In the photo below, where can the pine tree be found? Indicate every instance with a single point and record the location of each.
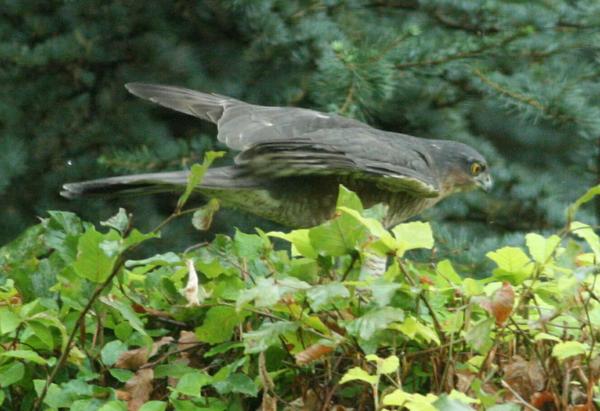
(517, 80)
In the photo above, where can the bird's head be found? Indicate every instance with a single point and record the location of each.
(462, 168)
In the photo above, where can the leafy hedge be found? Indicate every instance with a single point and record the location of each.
(240, 324)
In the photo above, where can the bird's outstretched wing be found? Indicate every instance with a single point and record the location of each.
(242, 125)
(393, 164)
(288, 141)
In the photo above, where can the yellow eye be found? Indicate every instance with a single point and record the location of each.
(476, 169)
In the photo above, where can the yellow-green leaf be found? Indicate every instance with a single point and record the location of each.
(359, 374)
(569, 349)
(541, 248)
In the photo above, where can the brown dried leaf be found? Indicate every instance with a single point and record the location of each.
(544, 400)
(524, 377)
(312, 353)
(500, 304)
(134, 359)
(139, 388)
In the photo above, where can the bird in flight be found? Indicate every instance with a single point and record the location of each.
(292, 160)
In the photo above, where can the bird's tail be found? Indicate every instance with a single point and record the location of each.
(208, 107)
(226, 178)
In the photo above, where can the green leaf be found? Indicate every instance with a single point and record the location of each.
(358, 374)
(197, 174)
(587, 233)
(479, 335)
(219, 324)
(113, 406)
(40, 329)
(448, 403)
(11, 373)
(447, 272)
(127, 313)
(119, 221)
(92, 262)
(169, 258)
(342, 234)
(540, 248)
(120, 374)
(202, 218)
(368, 324)
(269, 291)
(568, 349)
(513, 264)
(174, 369)
(413, 402)
(384, 365)
(236, 383)
(249, 246)
(587, 197)
(154, 406)
(413, 235)
(300, 240)
(26, 355)
(321, 295)
(9, 321)
(111, 351)
(192, 383)
(413, 328)
(266, 336)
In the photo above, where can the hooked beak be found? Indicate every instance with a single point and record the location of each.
(485, 182)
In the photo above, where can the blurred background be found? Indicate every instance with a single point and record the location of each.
(518, 80)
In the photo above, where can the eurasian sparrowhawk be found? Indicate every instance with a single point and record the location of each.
(292, 161)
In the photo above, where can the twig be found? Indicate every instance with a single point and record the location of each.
(518, 397)
(64, 355)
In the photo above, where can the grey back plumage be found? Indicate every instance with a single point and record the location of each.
(287, 141)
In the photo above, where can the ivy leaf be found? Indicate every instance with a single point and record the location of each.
(266, 336)
(358, 374)
(413, 235)
(202, 218)
(587, 197)
(587, 233)
(540, 248)
(119, 221)
(513, 264)
(368, 324)
(236, 383)
(384, 365)
(9, 321)
(450, 403)
(112, 351)
(341, 235)
(569, 349)
(11, 373)
(191, 384)
(128, 314)
(92, 261)
(26, 355)
(411, 401)
(479, 335)
(197, 174)
(249, 246)
(154, 406)
(321, 295)
(219, 324)
(300, 240)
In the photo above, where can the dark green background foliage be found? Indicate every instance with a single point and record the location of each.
(518, 80)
